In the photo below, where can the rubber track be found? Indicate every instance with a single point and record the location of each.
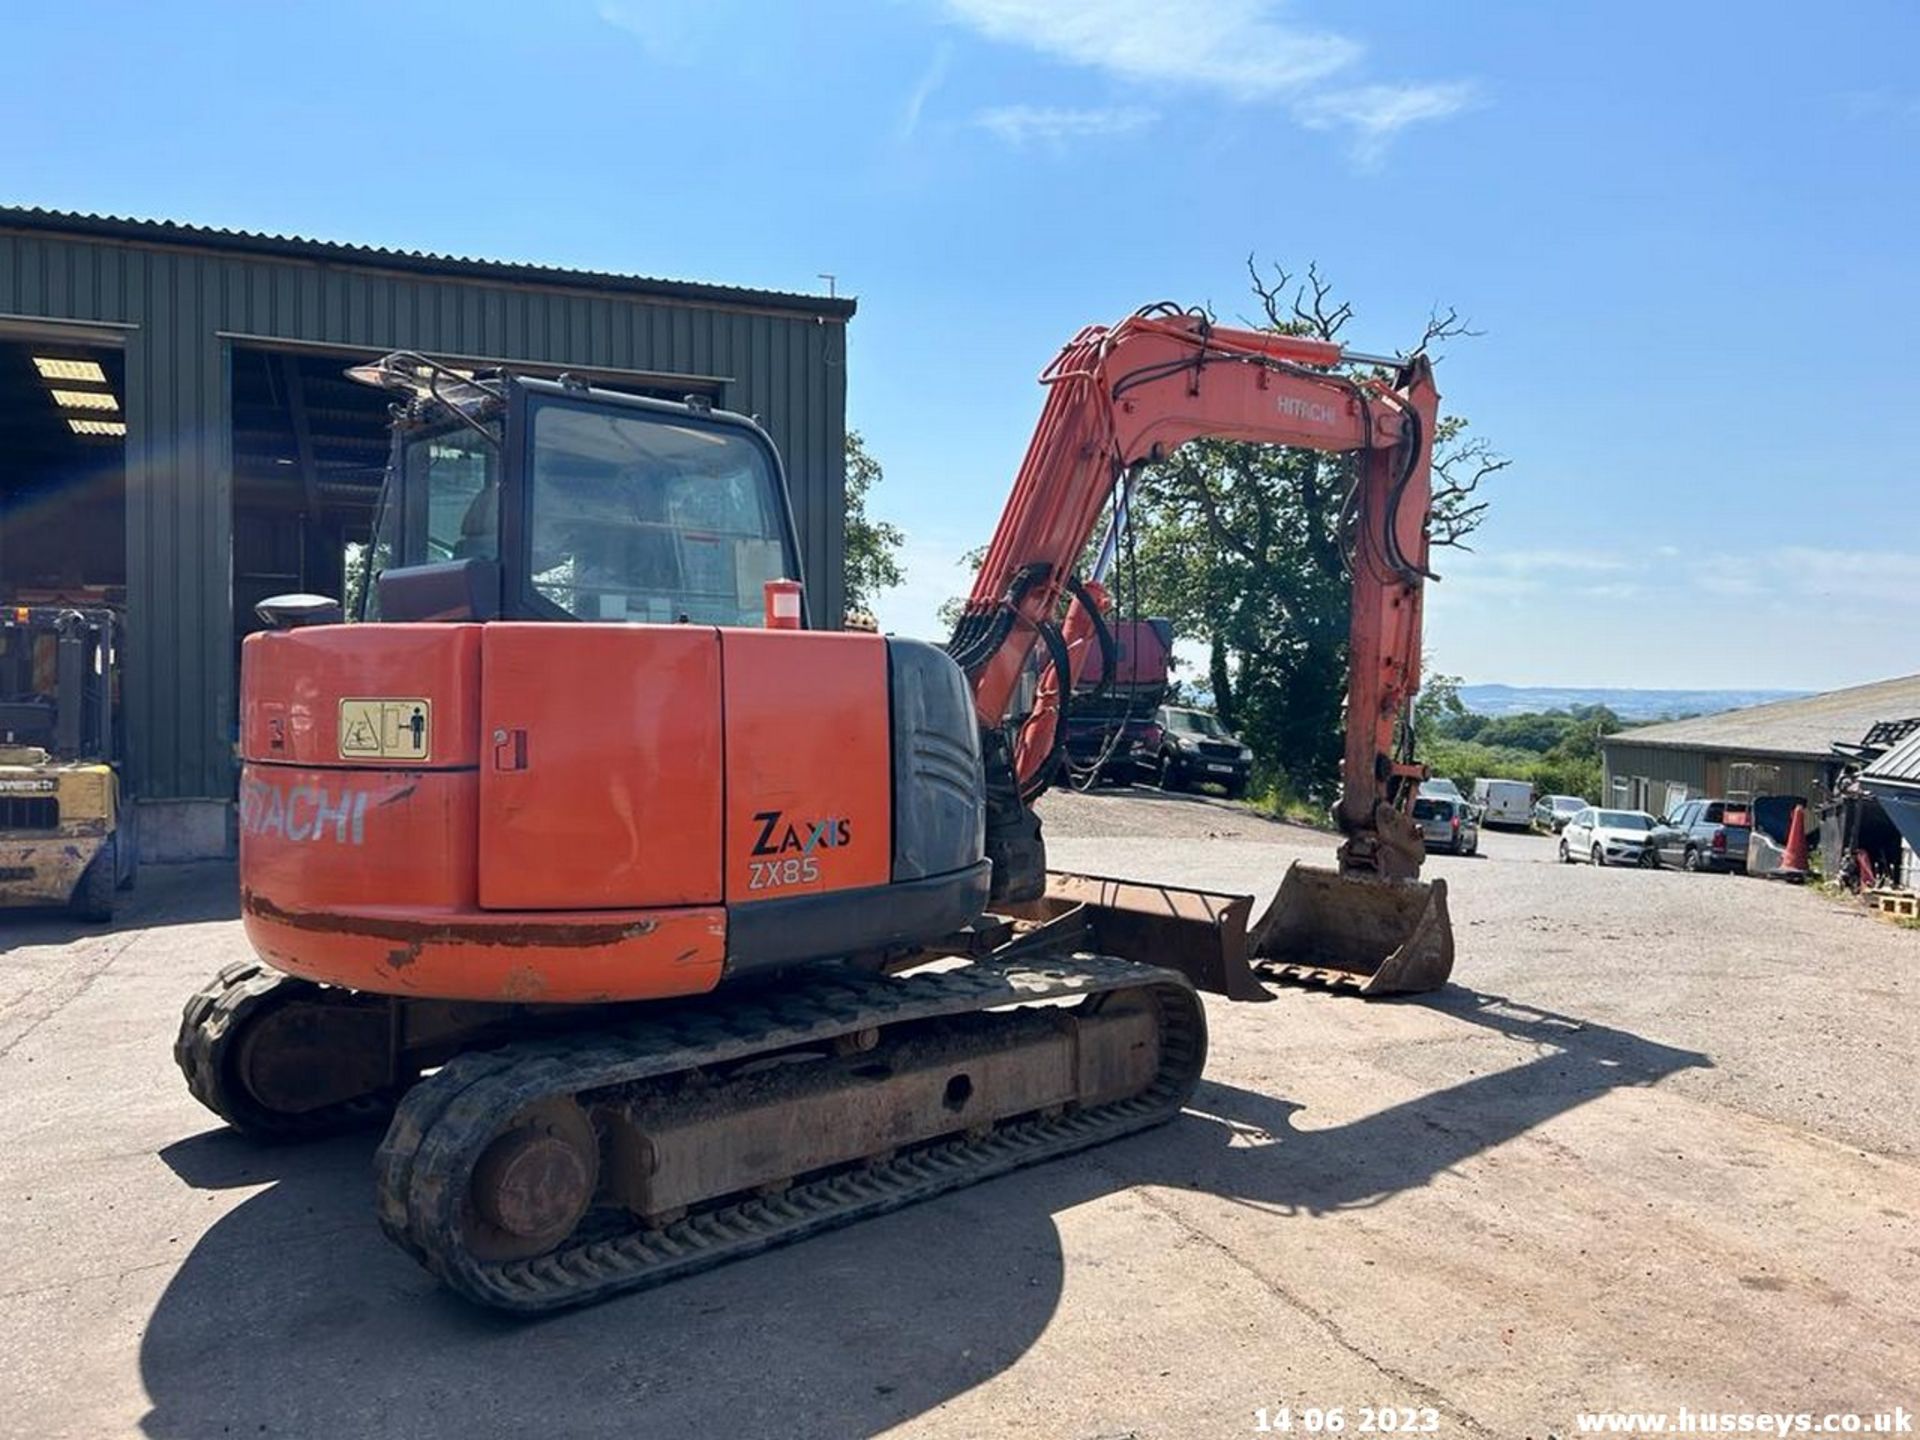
(445, 1123)
(211, 1026)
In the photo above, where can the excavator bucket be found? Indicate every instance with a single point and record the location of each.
(1352, 932)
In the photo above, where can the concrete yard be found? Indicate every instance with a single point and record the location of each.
(1656, 1146)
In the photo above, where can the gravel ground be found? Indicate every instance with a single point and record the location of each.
(1149, 813)
(1655, 1147)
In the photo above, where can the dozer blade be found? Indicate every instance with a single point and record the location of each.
(1201, 935)
(1379, 937)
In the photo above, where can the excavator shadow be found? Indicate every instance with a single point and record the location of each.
(292, 1313)
(1317, 1171)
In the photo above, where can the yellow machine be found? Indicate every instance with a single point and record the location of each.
(65, 832)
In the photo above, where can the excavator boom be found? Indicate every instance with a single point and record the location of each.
(1125, 396)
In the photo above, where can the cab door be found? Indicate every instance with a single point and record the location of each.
(600, 766)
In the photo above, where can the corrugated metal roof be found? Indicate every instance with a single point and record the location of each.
(169, 232)
(1901, 764)
(1804, 727)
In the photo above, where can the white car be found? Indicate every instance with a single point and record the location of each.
(1610, 837)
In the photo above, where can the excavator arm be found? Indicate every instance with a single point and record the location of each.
(1131, 394)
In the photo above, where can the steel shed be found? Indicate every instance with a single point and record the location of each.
(1788, 742)
(177, 303)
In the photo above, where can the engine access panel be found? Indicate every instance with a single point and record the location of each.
(634, 766)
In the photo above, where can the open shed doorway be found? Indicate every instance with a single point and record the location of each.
(309, 450)
(63, 472)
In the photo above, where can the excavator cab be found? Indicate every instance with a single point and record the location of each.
(516, 498)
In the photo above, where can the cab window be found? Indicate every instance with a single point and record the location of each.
(651, 518)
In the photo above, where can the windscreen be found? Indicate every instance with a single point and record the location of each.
(1625, 820)
(650, 518)
(1193, 722)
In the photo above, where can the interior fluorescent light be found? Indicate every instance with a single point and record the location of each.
(52, 369)
(97, 427)
(85, 400)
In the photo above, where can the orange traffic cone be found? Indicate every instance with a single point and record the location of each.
(1793, 865)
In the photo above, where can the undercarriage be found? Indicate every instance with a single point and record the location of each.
(619, 1152)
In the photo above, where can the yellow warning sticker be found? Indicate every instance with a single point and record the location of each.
(386, 729)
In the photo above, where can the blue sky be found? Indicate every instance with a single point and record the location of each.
(1688, 232)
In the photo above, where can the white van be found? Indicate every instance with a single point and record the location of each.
(1504, 802)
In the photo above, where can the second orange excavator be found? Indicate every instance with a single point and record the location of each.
(665, 928)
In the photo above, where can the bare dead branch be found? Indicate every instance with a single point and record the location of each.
(1462, 469)
(1271, 295)
(1451, 528)
(1319, 321)
(1459, 472)
(1442, 326)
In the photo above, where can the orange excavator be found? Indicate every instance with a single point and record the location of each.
(665, 928)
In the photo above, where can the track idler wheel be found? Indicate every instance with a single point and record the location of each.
(534, 1182)
(280, 1058)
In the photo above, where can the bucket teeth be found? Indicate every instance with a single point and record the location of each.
(1377, 937)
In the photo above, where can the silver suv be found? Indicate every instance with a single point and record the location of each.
(1449, 825)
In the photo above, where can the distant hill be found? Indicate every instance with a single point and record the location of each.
(1627, 704)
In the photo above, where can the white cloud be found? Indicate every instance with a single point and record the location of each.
(1556, 562)
(661, 31)
(1787, 575)
(1242, 48)
(1882, 576)
(1047, 125)
(1243, 51)
(931, 79)
(1883, 106)
(1374, 114)
(682, 33)
(1610, 590)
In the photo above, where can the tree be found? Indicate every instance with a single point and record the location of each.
(873, 546)
(949, 612)
(1538, 730)
(1437, 710)
(1243, 547)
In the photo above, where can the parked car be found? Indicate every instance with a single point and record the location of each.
(1705, 835)
(1441, 789)
(1504, 802)
(1448, 825)
(1609, 837)
(1195, 747)
(1551, 812)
